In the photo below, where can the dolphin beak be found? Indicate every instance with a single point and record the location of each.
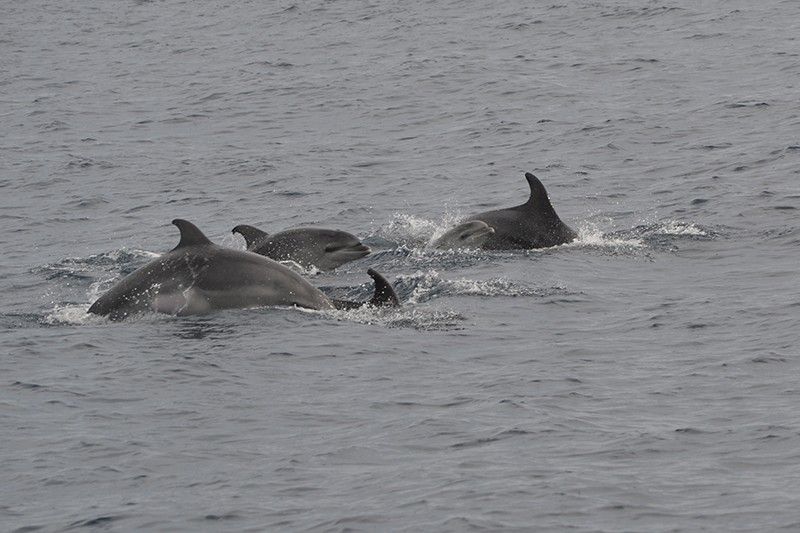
(358, 250)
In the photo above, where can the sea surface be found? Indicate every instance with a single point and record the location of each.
(642, 378)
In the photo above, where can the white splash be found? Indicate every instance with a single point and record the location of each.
(442, 226)
(75, 314)
(310, 271)
(590, 235)
(417, 232)
(401, 317)
(430, 284)
(676, 227)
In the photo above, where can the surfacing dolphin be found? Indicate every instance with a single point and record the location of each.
(533, 224)
(198, 276)
(471, 234)
(325, 249)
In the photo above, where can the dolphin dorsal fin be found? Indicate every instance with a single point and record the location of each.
(384, 292)
(251, 234)
(539, 198)
(384, 295)
(190, 234)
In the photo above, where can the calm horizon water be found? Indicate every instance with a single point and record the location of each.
(641, 378)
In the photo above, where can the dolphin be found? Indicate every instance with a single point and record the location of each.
(471, 234)
(198, 276)
(533, 224)
(325, 249)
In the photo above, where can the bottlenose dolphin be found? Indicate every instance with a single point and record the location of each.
(325, 249)
(470, 234)
(198, 276)
(533, 224)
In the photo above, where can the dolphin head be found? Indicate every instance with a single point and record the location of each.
(323, 248)
(469, 234)
(342, 247)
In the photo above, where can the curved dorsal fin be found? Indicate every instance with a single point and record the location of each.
(539, 198)
(384, 292)
(251, 234)
(384, 295)
(190, 234)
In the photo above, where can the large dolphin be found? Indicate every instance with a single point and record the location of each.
(470, 234)
(533, 224)
(325, 249)
(198, 276)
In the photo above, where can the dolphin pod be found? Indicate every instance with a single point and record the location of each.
(198, 276)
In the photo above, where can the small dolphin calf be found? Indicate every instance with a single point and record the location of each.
(471, 234)
(198, 276)
(325, 249)
(533, 224)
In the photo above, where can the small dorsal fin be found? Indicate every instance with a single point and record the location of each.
(539, 198)
(190, 234)
(251, 234)
(384, 295)
(384, 292)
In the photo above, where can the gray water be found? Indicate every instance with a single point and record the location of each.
(643, 378)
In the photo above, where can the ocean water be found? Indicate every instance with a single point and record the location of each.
(642, 378)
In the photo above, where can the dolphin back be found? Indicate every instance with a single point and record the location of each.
(137, 292)
(534, 224)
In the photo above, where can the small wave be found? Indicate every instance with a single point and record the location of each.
(123, 256)
(590, 235)
(96, 522)
(402, 317)
(422, 286)
(747, 103)
(404, 258)
(84, 269)
(481, 441)
(674, 227)
(19, 320)
(405, 316)
(81, 162)
(662, 235)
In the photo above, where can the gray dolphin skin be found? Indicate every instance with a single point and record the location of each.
(325, 249)
(470, 235)
(198, 276)
(533, 224)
